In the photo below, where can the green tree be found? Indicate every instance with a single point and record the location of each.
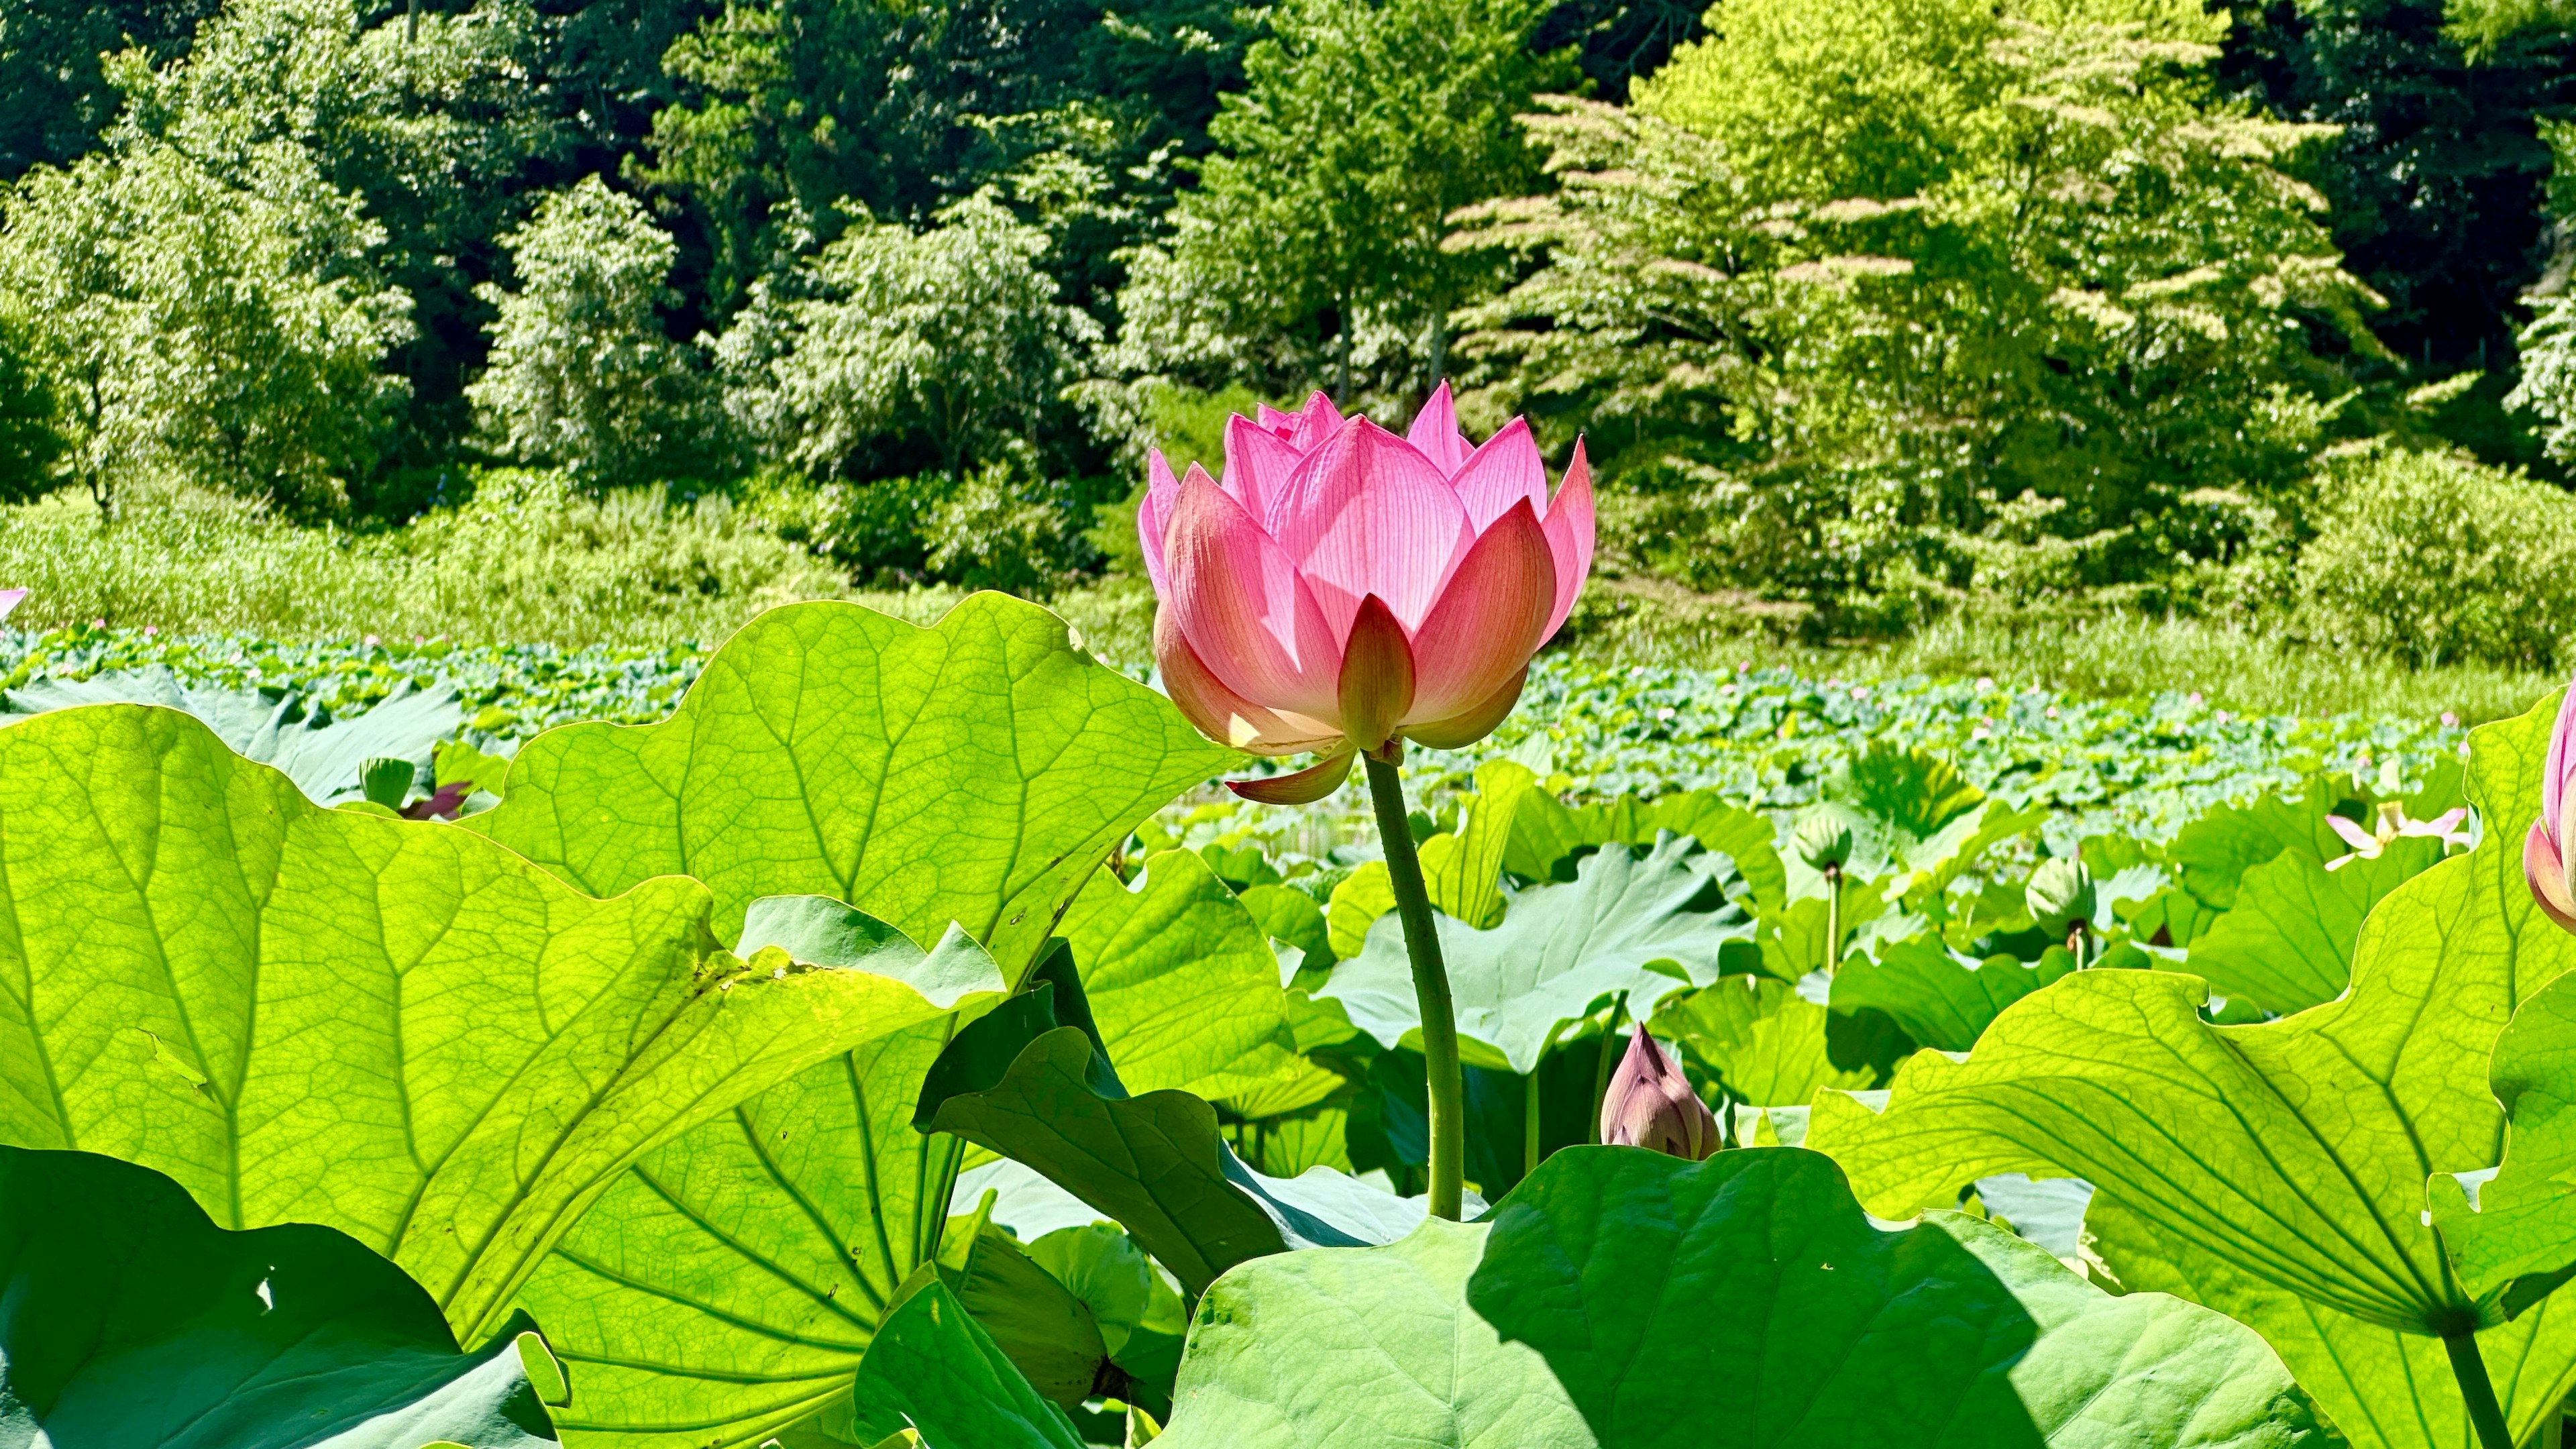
(1312, 245)
(430, 118)
(55, 96)
(1887, 293)
(951, 336)
(584, 375)
(29, 446)
(220, 317)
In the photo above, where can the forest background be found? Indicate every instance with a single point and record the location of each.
(2155, 344)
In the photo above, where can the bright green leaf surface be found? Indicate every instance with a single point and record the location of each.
(2216, 850)
(727, 1286)
(2522, 1240)
(1644, 923)
(1761, 1038)
(1181, 980)
(2288, 943)
(134, 1320)
(973, 772)
(2294, 1153)
(1940, 1001)
(1464, 871)
(398, 1030)
(1626, 1298)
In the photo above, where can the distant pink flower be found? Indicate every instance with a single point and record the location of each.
(2393, 825)
(2545, 858)
(1342, 589)
(10, 599)
(1650, 1104)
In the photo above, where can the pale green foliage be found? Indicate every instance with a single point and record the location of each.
(953, 335)
(207, 307)
(1312, 245)
(1880, 289)
(583, 374)
(2435, 558)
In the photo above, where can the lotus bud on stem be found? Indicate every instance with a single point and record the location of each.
(1825, 844)
(1650, 1104)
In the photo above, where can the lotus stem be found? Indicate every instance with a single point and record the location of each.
(1446, 1082)
(2485, 1414)
(1529, 1103)
(1833, 919)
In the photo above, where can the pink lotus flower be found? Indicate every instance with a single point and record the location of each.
(1650, 1104)
(1343, 589)
(2544, 851)
(10, 599)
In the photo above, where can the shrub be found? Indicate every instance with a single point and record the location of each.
(2437, 559)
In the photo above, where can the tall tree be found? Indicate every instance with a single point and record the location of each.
(1312, 245)
(584, 373)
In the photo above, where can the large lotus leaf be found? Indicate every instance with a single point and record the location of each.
(1627, 1298)
(2215, 850)
(1911, 791)
(396, 1029)
(1940, 1000)
(1644, 924)
(1770, 1046)
(2288, 943)
(727, 1286)
(1045, 1095)
(2294, 1152)
(322, 757)
(1181, 980)
(2348, 1366)
(132, 1319)
(2520, 1241)
(975, 772)
(935, 1371)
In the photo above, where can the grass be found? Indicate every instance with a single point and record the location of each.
(527, 563)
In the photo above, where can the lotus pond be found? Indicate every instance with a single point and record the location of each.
(871, 1034)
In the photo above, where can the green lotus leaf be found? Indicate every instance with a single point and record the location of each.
(1464, 871)
(1044, 1094)
(1142, 1321)
(1547, 836)
(934, 1370)
(1641, 923)
(1769, 1045)
(1590, 1308)
(2287, 945)
(133, 1319)
(1039, 1324)
(2519, 1241)
(1288, 914)
(2351, 1368)
(1181, 980)
(2295, 1152)
(1939, 1000)
(974, 772)
(326, 758)
(726, 1287)
(395, 1029)
(2216, 850)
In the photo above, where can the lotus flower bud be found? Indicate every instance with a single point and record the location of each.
(2060, 893)
(1823, 842)
(2546, 862)
(1343, 589)
(1650, 1104)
